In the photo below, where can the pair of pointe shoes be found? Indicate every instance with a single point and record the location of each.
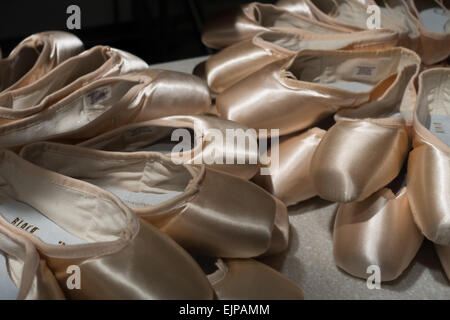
(250, 19)
(383, 221)
(356, 158)
(90, 93)
(296, 94)
(420, 25)
(238, 61)
(329, 163)
(90, 228)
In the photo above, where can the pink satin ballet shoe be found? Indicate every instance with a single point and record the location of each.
(163, 135)
(109, 103)
(85, 233)
(204, 210)
(433, 20)
(250, 19)
(35, 56)
(376, 232)
(367, 146)
(66, 78)
(238, 61)
(429, 161)
(290, 181)
(314, 85)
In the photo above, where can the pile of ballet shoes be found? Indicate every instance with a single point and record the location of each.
(363, 115)
(92, 205)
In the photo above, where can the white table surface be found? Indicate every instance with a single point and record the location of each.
(309, 259)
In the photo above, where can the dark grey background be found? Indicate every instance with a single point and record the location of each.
(155, 30)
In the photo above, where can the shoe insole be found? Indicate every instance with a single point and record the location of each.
(352, 86)
(164, 148)
(29, 219)
(436, 20)
(8, 290)
(138, 199)
(440, 127)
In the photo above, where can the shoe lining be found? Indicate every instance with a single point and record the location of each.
(140, 185)
(149, 138)
(436, 19)
(354, 74)
(435, 103)
(22, 62)
(29, 219)
(396, 10)
(139, 182)
(433, 17)
(62, 210)
(66, 74)
(438, 100)
(138, 199)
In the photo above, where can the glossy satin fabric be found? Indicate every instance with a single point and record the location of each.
(378, 231)
(231, 218)
(52, 48)
(247, 20)
(433, 46)
(239, 279)
(149, 94)
(357, 158)
(443, 253)
(150, 266)
(76, 72)
(428, 182)
(135, 137)
(123, 258)
(35, 281)
(353, 14)
(296, 6)
(366, 149)
(216, 214)
(238, 61)
(271, 99)
(290, 181)
(429, 161)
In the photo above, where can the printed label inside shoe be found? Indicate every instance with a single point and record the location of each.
(29, 219)
(365, 71)
(8, 290)
(98, 96)
(440, 127)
